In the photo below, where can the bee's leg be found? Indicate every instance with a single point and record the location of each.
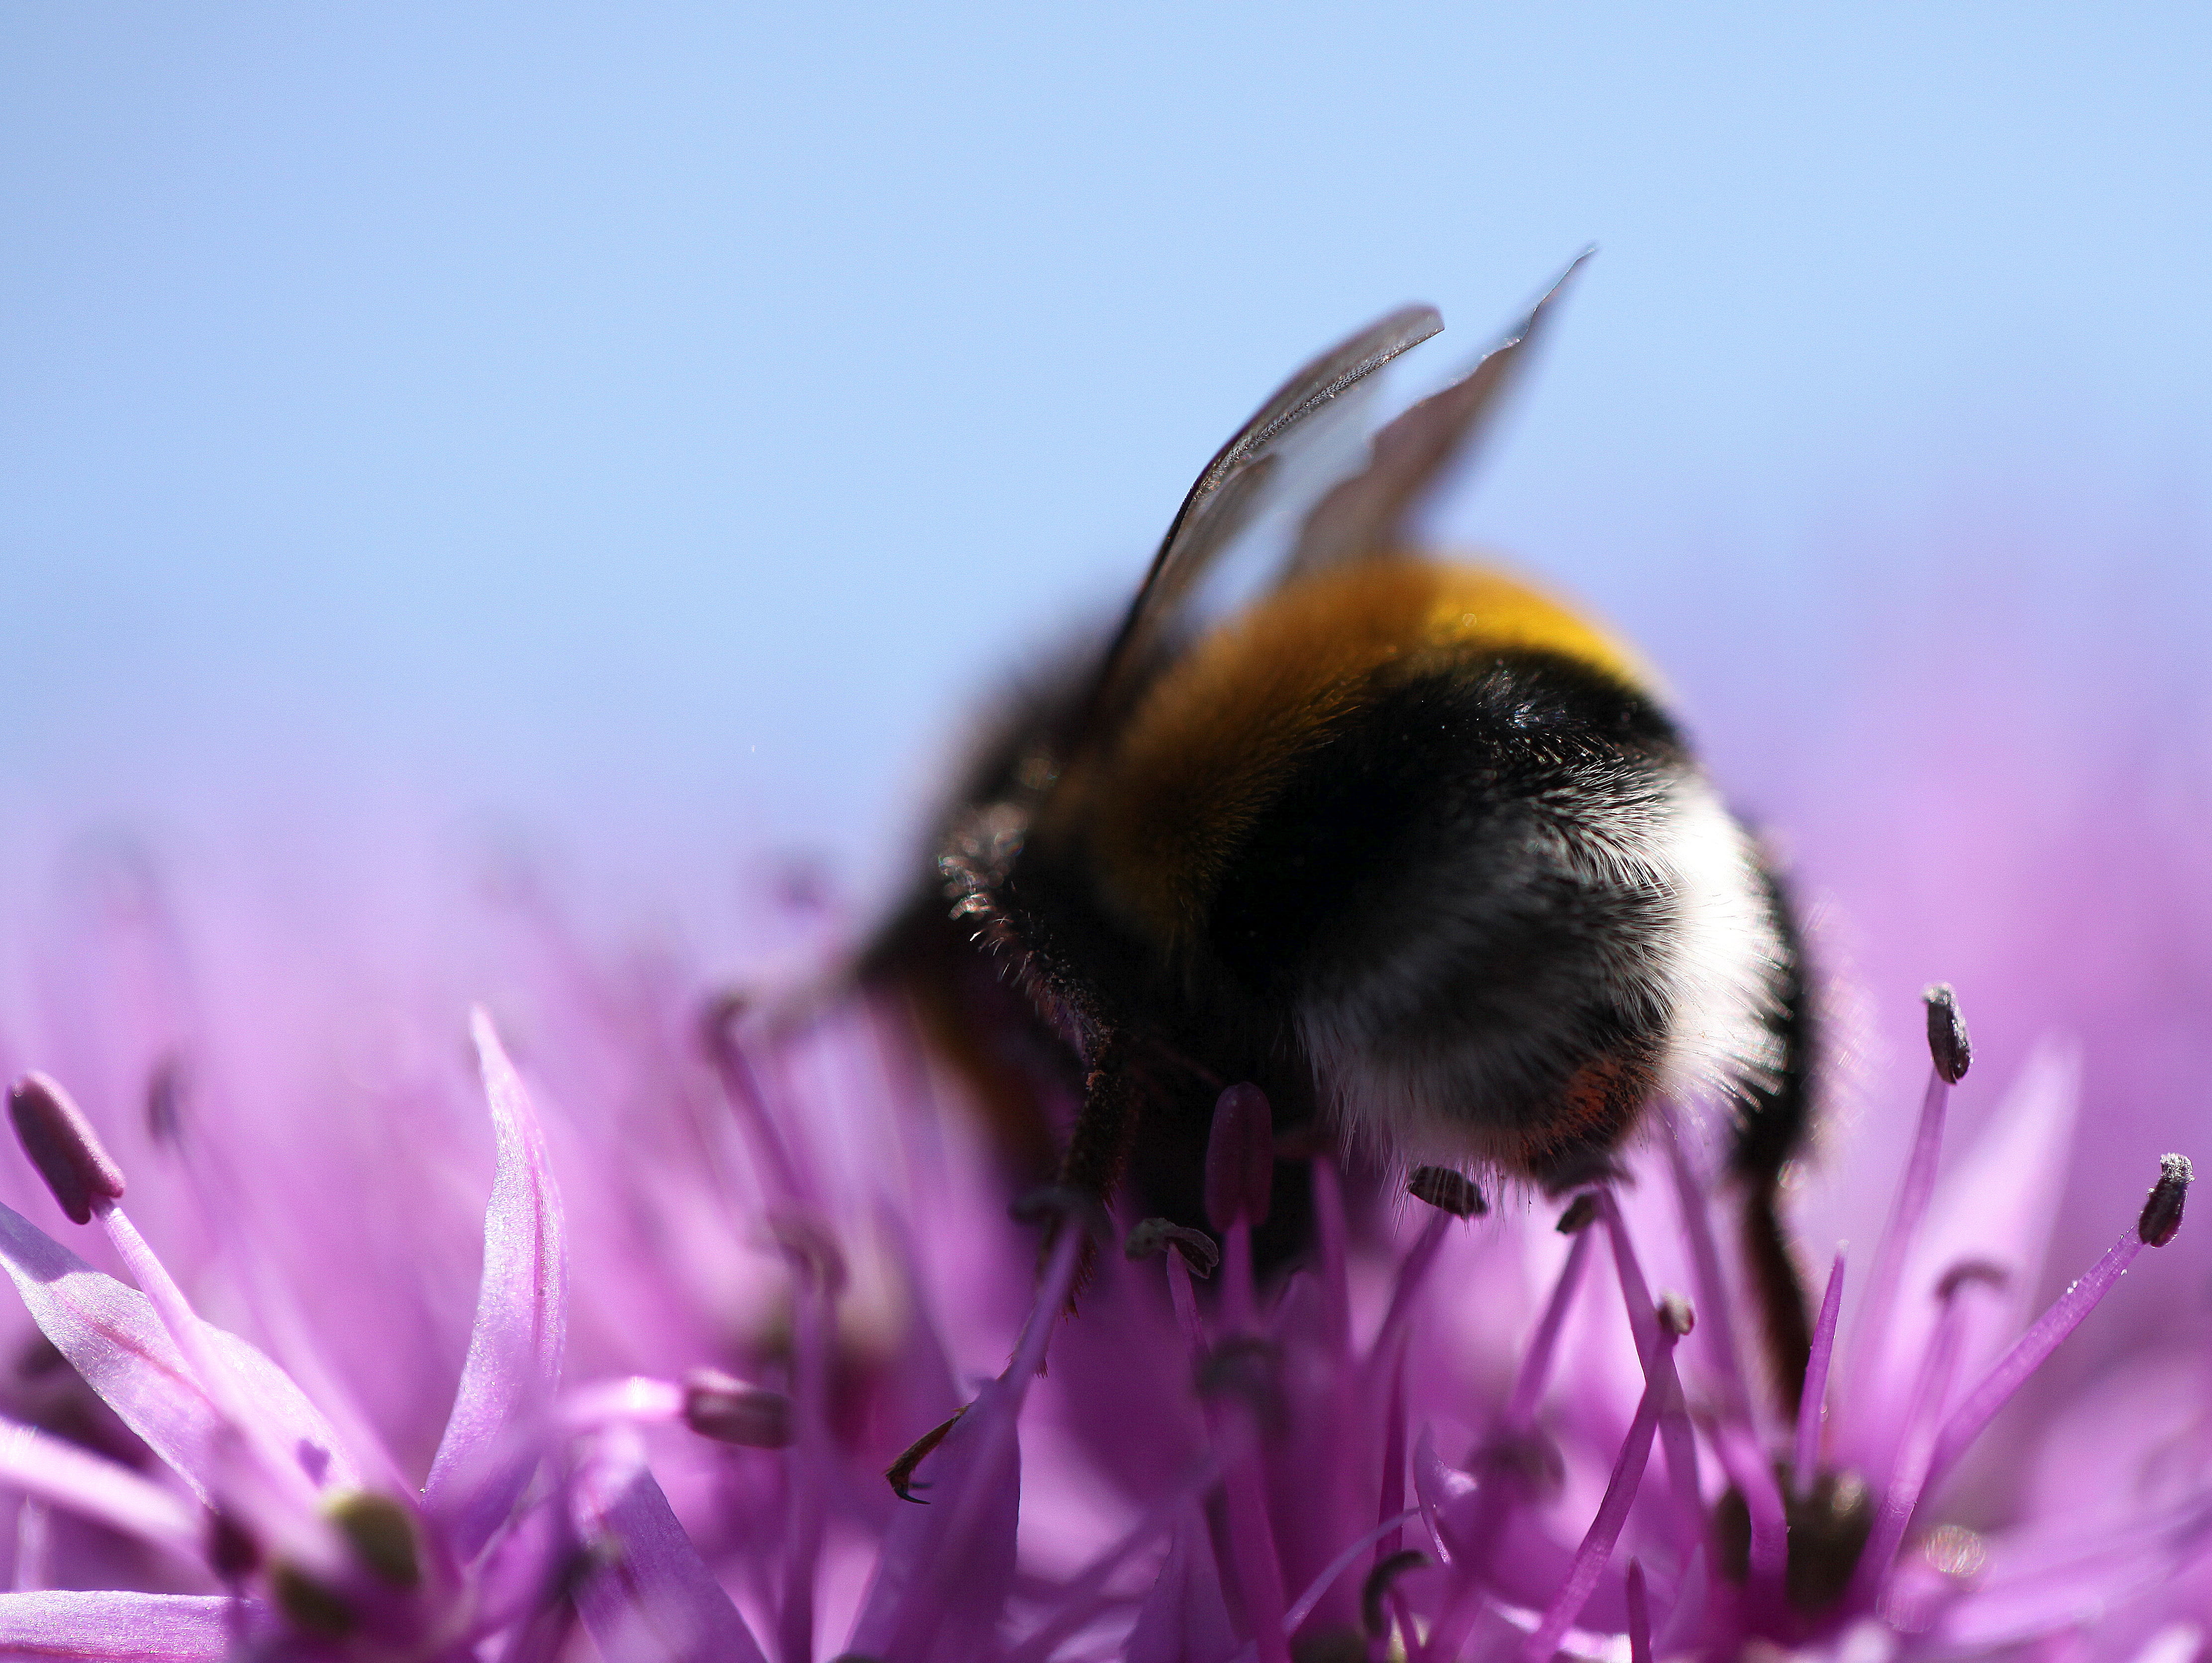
(1105, 1127)
(1777, 1116)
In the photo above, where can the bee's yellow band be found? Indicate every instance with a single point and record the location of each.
(1165, 806)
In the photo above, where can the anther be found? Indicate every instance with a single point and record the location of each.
(1156, 1235)
(1240, 1158)
(730, 1410)
(1447, 1191)
(1579, 1214)
(1951, 1051)
(309, 1606)
(1372, 1617)
(63, 1146)
(381, 1533)
(2161, 1213)
(1677, 1315)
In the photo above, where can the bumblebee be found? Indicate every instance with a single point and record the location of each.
(1410, 844)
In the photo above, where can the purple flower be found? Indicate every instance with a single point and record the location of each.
(1284, 1464)
(312, 1543)
(1446, 1448)
(1470, 1427)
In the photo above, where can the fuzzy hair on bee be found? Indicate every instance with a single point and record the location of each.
(1409, 843)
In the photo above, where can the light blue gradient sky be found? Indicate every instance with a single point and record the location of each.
(621, 416)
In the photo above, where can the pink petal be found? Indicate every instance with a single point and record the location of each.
(97, 1488)
(2040, 1581)
(1083, 1597)
(1184, 1618)
(521, 1569)
(117, 1627)
(110, 1335)
(655, 1599)
(514, 1364)
(955, 1606)
(941, 1584)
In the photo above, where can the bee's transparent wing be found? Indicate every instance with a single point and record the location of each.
(1363, 516)
(1229, 492)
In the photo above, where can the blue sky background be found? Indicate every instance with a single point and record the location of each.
(585, 414)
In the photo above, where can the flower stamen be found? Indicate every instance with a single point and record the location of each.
(1689, 1197)
(1813, 1402)
(1655, 1345)
(730, 1411)
(88, 1185)
(1910, 1470)
(1536, 1360)
(2159, 1221)
(1950, 1051)
(1447, 1191)
(61, 1145)
(1154, 1236)
(1639, 1616)
(1597, 1543)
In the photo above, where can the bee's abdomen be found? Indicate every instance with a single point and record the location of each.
(1463, 895)
(1491, 784)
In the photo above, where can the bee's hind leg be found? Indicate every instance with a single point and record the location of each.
(1098, 1148)
(1777, 1117)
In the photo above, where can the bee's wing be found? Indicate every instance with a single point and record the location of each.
(1223, 500)
(1361, 516)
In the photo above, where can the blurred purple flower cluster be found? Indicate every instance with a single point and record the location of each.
(726, 1282)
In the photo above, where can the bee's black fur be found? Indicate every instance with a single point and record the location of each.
(1454, 809)
(1775, 1119)
(1455, 792)
(1456, 765)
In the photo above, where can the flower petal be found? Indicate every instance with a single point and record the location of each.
(1184, 1618)
(941, 1584)
(2041, 1580)
(117, 1628)
(955, 1603)
(654, 1598)
(96, 1487)
(522, 1572)
(110, 1335)
(514, 1364)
